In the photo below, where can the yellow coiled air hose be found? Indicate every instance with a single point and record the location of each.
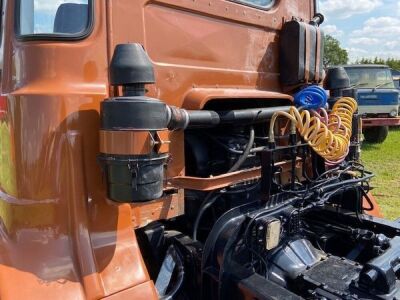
(329, 136)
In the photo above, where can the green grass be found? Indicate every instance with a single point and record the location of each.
(384, 160)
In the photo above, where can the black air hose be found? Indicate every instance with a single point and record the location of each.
(180, 275)
(181, 119)
(208, 201)
(211, 198)
(371, 204)
(246, 152)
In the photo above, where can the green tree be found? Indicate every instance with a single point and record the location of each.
(379, 61)
(393, 63)
(334, 54)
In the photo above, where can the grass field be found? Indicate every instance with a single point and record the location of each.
(384, 160)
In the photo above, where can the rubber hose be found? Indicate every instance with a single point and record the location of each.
(209, 201)
(179, 277)
(246, 152)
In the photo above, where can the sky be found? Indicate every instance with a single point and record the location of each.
(365, 28)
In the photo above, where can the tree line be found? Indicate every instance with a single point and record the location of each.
(391, 62)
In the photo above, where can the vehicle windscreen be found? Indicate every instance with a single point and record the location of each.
(380, 78)
(41, 18)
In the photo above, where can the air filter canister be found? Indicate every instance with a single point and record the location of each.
(134, 147)
(134, 142)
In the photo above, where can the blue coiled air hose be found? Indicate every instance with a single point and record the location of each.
(311, 97)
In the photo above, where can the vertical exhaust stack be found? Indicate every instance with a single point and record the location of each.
(133, 134)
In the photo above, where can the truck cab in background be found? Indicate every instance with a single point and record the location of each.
(377, 97)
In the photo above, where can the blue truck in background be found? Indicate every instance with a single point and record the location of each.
(377, 97)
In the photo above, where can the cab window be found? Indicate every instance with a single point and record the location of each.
(63, 18)
(264, 4)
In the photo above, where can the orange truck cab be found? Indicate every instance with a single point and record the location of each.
(152, 149)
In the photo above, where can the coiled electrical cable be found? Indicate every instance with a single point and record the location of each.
(329, 138)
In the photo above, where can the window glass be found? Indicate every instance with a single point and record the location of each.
(397, 83)
(370, 77)
(257, 3)
(53, 17)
